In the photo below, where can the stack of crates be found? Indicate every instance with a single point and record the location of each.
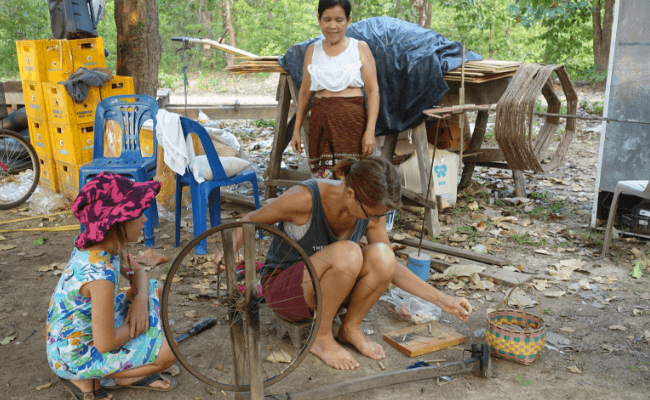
(60, 129)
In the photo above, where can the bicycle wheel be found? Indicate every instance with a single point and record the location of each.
(237, 352)
(19, 169)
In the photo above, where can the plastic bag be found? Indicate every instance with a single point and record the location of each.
(411, 308)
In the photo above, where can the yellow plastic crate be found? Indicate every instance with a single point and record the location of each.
(30, 59)
(39, 136)
(68, 179)
(34, 101)
(49, 177)
(57, 58)
(116, 86)
(146, 142)
(88, 53)
(62, 109)
(73, 144)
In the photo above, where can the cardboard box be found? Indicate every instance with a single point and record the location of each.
(445, 176)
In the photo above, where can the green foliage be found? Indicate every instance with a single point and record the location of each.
(519, 30)
(270, 27)
(264, 123)
(20, 20)
(566, 34)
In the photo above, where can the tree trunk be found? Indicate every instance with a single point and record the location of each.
(227, 24)
(427, 16)
(400, 11)
(138, 43)
(602, 33)
(420, 6)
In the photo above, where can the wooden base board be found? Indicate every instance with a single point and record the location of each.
(416, 340)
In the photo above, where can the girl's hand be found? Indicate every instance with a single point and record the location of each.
(296, 143)
(138, 316)
(219, 264)
(458, 307)
(368, 143)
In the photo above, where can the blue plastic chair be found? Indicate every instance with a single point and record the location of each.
(208, 193)
(130, 112)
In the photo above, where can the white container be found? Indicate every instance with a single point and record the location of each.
(390, 219)
(445, 176)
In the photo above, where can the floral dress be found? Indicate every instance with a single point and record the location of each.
(70, 349)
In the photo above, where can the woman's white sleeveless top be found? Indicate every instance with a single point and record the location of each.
(335, 73)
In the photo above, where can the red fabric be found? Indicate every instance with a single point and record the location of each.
(284, 294)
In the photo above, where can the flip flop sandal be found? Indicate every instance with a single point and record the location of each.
(239, 269)
(148, 380)
(79, 395)
(242, 290)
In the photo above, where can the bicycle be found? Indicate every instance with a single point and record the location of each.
(19, 169)
(19, 164)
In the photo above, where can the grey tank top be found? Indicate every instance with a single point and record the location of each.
(318, 236)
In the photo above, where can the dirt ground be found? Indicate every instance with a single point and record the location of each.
(599, 350)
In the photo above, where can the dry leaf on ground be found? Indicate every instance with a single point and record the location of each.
(522, 298)
(151, 258)
(567, 329)
(457, 238)
(279, 357)
(564, 269)
(574, 369)
(542, 251)
(190, 314)
(456, 285)
(7, 246)
(45, 386)
(540, 285)
(557, 293)
(457, 271)
(617, 327)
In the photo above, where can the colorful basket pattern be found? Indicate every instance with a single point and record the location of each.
(520, 346)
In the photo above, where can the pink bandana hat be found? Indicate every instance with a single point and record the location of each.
(107, 199)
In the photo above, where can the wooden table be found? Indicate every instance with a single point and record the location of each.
(475, 93)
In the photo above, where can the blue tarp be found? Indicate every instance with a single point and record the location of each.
(411, 62)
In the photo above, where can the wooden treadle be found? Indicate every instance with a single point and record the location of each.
(416, 340)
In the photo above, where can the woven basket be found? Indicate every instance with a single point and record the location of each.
(520, 346)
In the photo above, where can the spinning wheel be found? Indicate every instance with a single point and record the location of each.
(241, 351)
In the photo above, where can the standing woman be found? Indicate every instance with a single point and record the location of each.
(336, 69)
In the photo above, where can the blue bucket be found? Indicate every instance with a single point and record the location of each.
(419, 265)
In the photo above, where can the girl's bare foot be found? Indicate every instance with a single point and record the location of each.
(332, 354)
(355, 337)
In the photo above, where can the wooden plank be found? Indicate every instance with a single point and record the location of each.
(424, 164)
(520, 183)
(279, 135)
(475, 143)
(419, 339)
(225, 112)
(418, 198)
(480, 155)
(241, 199)
(454, 251)
(237, 338)
(252, 326)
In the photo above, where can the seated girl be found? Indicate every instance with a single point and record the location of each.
(327, 218)
(93, 330)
